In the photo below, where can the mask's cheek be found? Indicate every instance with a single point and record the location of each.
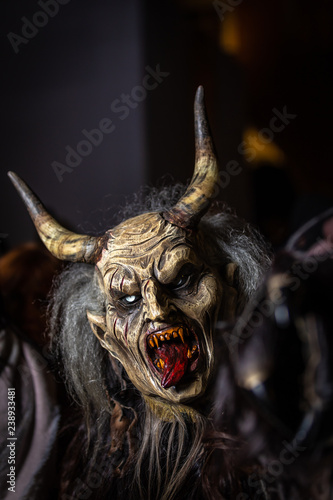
(203, 305)
(130, 354)
(201, 308)
(122, 339)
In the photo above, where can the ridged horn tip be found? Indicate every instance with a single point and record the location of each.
(198, 196)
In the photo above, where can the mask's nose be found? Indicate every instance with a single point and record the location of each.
(156, 303)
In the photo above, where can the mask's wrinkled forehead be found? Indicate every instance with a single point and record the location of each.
(144, 238)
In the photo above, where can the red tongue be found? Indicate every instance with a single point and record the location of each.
(175, 363)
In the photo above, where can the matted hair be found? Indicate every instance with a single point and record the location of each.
(157, 459)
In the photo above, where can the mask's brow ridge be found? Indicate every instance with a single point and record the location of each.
(147, 245)
(161, 260)
(111, 276)
(176, 244)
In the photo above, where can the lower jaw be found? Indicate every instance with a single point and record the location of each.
(168, 411)
(184, 393)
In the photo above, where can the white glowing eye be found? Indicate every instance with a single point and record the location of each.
(130, 299)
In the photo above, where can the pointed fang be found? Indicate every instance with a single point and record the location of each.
(155, 340)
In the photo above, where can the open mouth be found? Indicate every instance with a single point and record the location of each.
(173, 353)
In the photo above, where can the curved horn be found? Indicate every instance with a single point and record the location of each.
(62, 243)
(196, 200)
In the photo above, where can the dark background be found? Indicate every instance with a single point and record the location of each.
(252, 57)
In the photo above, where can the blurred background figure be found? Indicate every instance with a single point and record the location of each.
(26, 274)
(278, 390)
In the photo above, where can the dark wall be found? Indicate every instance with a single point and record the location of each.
(91, 54)
(184, 37)
(281, 64)
(59, 83)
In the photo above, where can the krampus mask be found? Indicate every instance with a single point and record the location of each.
(161, 298)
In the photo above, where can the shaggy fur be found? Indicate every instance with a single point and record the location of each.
(120, 449)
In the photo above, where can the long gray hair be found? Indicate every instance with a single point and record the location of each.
(96, 381)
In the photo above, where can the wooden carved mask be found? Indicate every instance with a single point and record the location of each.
(162, 302)
(161, 298)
